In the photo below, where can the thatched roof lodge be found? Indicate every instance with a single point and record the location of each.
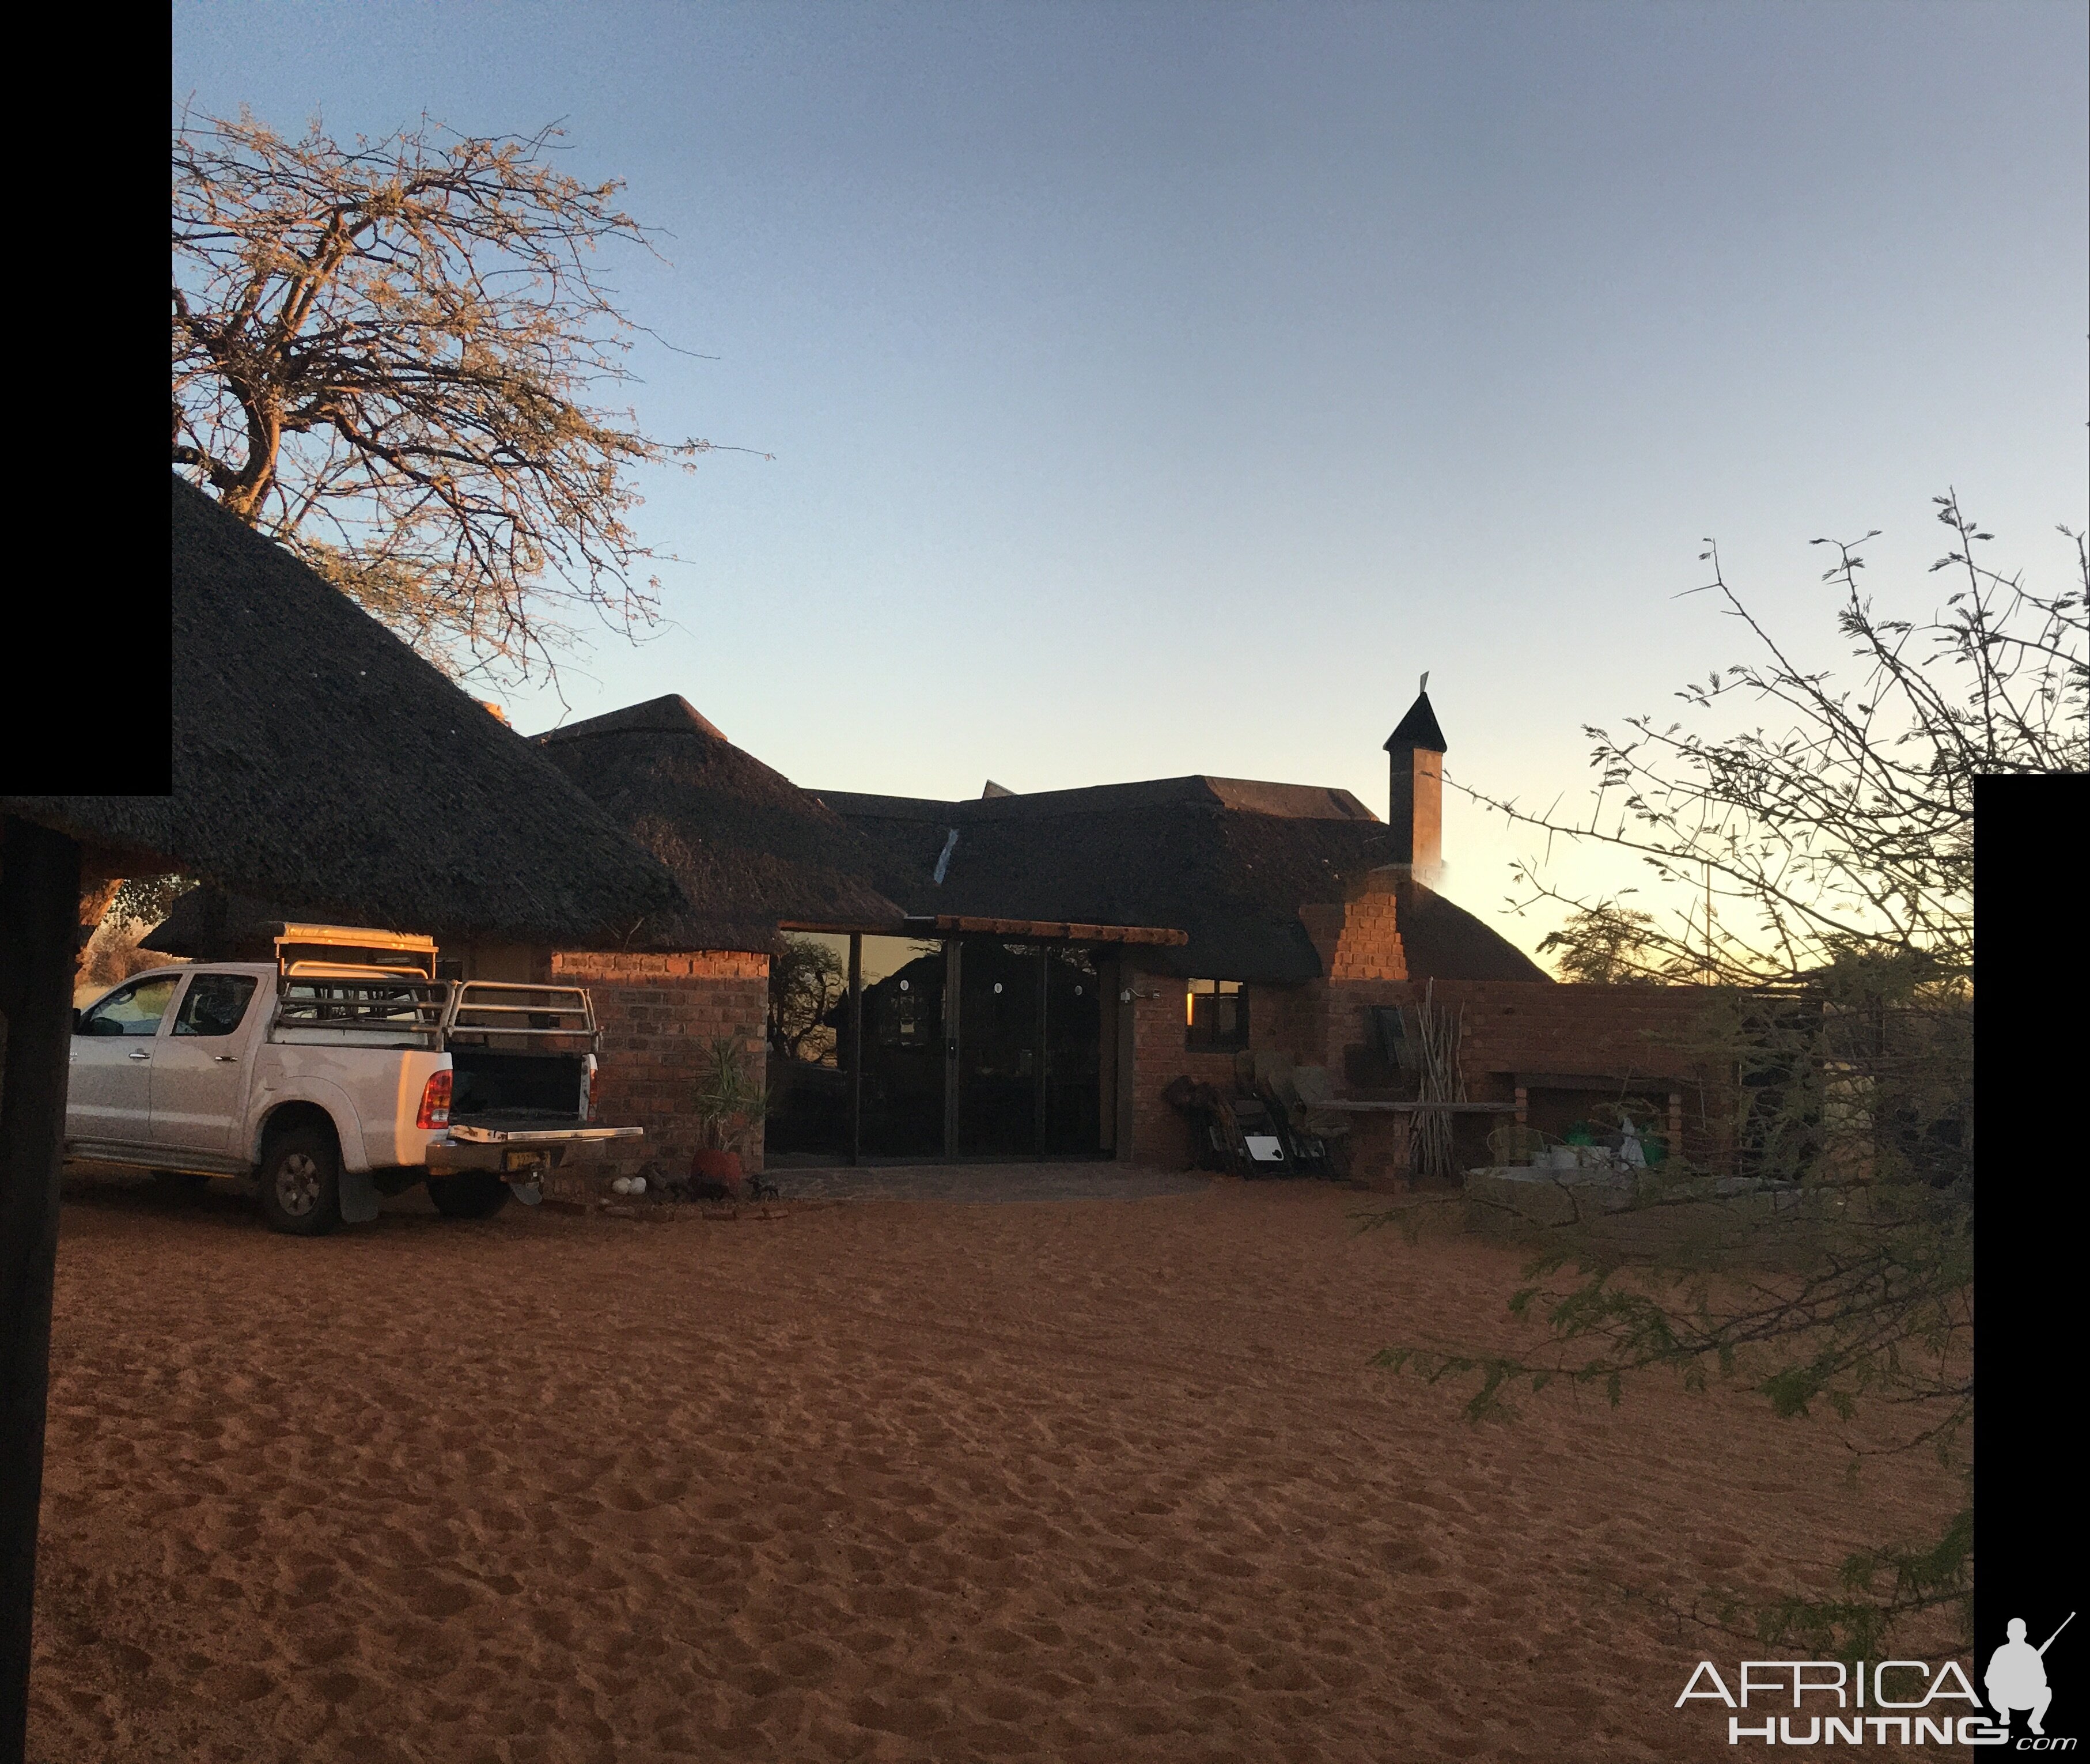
(949, 964)
(1008, 975)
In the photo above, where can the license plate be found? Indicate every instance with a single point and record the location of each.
(522, 1160)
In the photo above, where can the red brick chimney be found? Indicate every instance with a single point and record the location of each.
(1415, 802)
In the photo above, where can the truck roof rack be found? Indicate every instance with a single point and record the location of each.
(342, 970)
(356, 945)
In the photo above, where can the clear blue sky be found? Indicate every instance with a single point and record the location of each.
(1160, 389)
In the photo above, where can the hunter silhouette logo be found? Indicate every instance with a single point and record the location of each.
(2016, 1678)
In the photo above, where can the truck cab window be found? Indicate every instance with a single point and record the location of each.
(135, 1010)
(215, 1005)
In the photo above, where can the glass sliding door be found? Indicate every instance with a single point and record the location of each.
(1029, 1031)
(809, 1055)
(901, 1047)
(1000, 1049)
(1073, 1055)
(905, 1033)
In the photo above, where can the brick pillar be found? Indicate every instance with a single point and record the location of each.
(658, 1014)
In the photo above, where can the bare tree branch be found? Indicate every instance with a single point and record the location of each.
(389, 356)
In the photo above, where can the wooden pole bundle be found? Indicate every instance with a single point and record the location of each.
(1442, 1079)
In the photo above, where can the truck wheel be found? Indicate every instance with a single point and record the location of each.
(476, 1194)
(301, 1182)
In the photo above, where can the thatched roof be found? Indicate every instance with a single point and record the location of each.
(754, 848)
(1228, 861)
(320, 763)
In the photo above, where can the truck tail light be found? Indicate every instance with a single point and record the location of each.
(595, 1087)
(435, 1101)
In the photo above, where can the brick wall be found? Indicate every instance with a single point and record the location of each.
(1630, 1032)
(1650, 1035)
(1160, 1136)
(1509, 1026)
(1288, 1018)
(658, 1014)
(1526, 1026)
(1358, 940)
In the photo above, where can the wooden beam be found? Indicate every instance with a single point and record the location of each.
(1366, 1106)
(1043, 930)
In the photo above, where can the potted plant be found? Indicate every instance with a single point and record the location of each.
(730, 1106)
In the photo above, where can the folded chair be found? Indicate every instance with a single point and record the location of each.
(1311, 1085)
(1256, 1137)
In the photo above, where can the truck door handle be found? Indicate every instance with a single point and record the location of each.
(140, 1054)
(225, 1058)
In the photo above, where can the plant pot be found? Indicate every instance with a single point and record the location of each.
(721, 1167)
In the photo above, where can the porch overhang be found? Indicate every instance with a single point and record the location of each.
(1040, 930)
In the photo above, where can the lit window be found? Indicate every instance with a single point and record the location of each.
(1216, 1014)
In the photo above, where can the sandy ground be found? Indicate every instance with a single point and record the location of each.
(1080, 1480)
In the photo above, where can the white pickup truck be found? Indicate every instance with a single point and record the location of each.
(343, 1071)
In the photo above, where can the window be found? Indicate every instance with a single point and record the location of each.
(215, 1004)
(809, 999)
(135, 1010)
(1217, 1013)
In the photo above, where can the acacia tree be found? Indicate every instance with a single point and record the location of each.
(1603, 944)
(1819, 872)
(390, 357)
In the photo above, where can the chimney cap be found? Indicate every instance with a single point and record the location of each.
(1419, 728)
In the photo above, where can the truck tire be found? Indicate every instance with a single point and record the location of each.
(476, 1194)
(301, 1182)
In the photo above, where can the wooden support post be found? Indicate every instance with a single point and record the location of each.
(856, 1047)
(1125, 1003)
(953, 1029)
(1108, 986)
(1676, 1124)
(1043, 1028)
(39, 917)
(1523, 1107)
